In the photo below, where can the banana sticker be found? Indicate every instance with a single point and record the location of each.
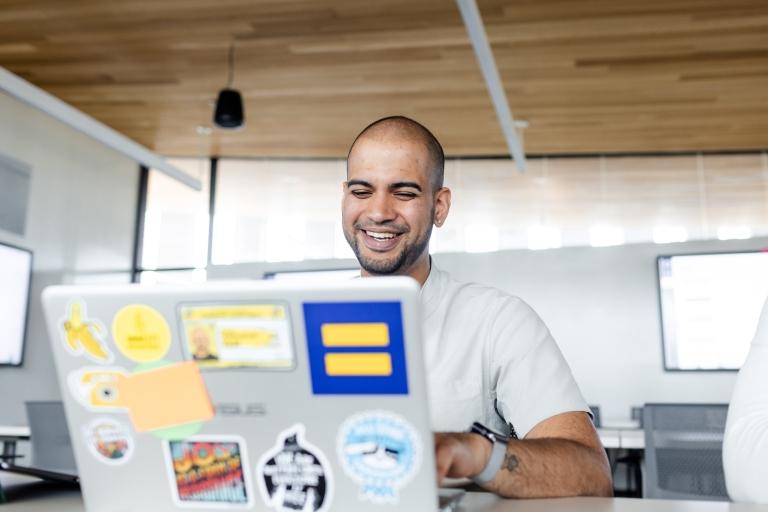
(85, 336)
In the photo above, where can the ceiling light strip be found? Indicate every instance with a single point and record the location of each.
(38, 98)
(476, 30)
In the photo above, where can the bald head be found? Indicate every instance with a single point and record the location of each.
(401, 128)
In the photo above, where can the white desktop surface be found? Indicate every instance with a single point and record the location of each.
(39, 496)
(625, 438)
(14, 432)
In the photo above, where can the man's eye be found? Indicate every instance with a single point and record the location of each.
(360, 193)
(405, 195)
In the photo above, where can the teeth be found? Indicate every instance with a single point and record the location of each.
(380, 236)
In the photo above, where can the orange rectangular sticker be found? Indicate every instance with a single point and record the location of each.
(165, 397)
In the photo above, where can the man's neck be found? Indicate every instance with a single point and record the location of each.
(419, 270)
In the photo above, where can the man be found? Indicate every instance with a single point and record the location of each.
(487, 353)
(745, 446)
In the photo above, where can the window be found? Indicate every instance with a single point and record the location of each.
(175, 235)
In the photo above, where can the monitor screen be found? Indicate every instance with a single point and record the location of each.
(710, 306)
(15, 277)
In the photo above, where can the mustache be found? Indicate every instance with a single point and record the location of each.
(399, 228)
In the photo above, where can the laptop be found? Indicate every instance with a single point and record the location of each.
(263, 395)
(52, 457)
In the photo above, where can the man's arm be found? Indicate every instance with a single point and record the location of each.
(561, 456)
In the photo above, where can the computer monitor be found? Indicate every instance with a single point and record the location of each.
(710, 305)
(15, 279)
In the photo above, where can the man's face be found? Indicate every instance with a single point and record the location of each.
(389, 206)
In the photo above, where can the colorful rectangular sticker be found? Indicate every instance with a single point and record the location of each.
(165, 397)
(210, 472)
(228, 336)
(356, 348)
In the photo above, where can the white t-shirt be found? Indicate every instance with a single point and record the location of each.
(745, 446)
(481, 345)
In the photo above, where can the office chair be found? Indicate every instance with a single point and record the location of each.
(52, 456)
(683, 451)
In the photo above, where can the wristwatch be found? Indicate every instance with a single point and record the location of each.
(499, 443)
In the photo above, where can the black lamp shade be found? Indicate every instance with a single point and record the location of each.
(229, 109)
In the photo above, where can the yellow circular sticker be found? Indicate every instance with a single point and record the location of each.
(141, 333)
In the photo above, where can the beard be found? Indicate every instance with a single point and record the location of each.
(397, 264)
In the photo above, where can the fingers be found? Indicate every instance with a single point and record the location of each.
(444, 456)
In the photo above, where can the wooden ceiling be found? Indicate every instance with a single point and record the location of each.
(590, 76)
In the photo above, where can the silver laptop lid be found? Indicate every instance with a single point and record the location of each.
(264, 395)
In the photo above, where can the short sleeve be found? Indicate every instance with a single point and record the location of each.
(534, 382)
(745, 446)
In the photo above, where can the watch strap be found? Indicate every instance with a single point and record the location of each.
(498, 449)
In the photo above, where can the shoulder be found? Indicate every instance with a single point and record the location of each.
(500, 309)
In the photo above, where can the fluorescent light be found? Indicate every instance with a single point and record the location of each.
(669, 234)
(69, 115)
(481, 238)
(605, 236)
(734, 232)
(543, 237)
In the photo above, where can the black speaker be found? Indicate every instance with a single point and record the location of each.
(229, 109)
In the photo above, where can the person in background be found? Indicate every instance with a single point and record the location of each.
(745, 445)
(489, 357)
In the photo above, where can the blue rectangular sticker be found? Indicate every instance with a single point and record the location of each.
(356, 348)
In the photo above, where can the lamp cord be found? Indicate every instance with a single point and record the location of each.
(231, 65)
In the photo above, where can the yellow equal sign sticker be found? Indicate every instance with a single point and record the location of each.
(358, 364)
(355, 335)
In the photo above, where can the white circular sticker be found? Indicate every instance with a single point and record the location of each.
(109, 441)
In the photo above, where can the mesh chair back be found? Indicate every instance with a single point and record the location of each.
(683, 451)
(49, 435)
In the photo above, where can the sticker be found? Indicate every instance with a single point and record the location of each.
(294, 475)
(109, 441)
(141, 333)
(356, 348)
(380, 451)
(85, 336)
(227, 336)
(164, 397)
(172, 395)
(210, 471)
(96, 387)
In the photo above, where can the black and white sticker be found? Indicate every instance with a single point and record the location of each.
(295, 475)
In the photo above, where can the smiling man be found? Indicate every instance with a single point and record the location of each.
(491, 362)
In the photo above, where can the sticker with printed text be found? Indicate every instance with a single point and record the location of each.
(238, 335)
(295, 475)
(209, 472)
(141, 333)
(381, 452)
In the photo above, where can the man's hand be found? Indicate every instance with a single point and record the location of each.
(561, 456)
(460, 455)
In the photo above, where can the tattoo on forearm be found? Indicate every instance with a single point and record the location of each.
(510, 462)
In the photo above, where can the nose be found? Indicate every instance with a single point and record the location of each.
(381, 209)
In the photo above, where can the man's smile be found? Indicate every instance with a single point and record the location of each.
(380, 240)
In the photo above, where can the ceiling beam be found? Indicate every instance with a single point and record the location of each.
(476, 30)
(38, 98)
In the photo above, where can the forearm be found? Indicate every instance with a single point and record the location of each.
(550, 467)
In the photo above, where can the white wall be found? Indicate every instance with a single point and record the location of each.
(602, 306)
(80, 220)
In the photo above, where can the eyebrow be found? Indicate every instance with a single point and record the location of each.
(393, 186)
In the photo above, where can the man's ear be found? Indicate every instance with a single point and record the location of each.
(442, 205)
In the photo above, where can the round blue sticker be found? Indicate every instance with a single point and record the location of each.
(380, 451)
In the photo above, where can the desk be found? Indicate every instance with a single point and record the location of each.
(30, 496)
(8, 437)
(624, 438)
